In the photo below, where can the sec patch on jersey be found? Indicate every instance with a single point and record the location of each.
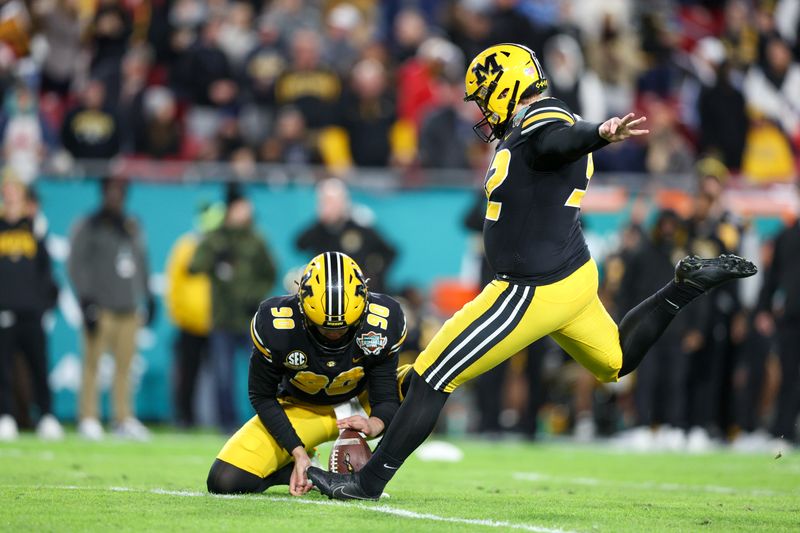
(350, 453)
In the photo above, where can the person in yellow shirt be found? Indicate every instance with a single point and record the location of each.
(188, 302)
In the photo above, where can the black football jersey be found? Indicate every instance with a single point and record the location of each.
(532, 229)
(280, 337)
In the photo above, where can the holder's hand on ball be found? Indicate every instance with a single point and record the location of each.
(371, 427)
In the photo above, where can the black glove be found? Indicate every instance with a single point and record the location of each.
(151, 310)
(91, 316)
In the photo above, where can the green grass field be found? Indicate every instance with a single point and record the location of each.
(160, 486)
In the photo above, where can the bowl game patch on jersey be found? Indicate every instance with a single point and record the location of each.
(371, 342)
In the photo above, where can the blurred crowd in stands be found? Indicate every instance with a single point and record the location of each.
(374, 84)
(380, 84)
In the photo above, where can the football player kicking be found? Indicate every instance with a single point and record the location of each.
(546, 282)
(332, 342)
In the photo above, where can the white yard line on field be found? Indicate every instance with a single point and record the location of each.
(383, 509)
(646, 485)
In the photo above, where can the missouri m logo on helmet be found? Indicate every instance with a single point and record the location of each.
(487, 68)
(497, 79)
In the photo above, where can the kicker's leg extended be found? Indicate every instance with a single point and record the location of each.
(644, 324)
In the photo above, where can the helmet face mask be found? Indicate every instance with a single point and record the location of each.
(333, 296)
(495, 81)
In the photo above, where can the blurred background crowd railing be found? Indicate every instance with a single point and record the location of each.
(183, 98)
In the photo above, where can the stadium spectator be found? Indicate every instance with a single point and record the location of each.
(570, 80)
(409, 31)
(308, 84)
(109, 272)
(160, 134)
(237, 36)
(417, 77)
(290, 143)
(773, 90)
(335, 229)
(27, 290)
(293, 16)
(668, 152)
(787, 22)
(109, 35)
(469, 27)
(510, 25)
(25, 134)
(376, 138)
(446, 139)
(723, 123)
(614, 55)
(264, 63)
(205, 76)
(188, 302)
(660, 393)
(658, 73)
(242, 272)
(740, 36)
(61, 26)
(781, 317)
(707, 338)
(750, 383)
(342, 38)
(130, 105)
(91, 130)
(227, 140)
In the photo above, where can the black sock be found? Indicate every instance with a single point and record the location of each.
(411, 425)
(644, 324)
(675, 296)
(280, 477)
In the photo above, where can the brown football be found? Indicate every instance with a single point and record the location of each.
(350, 453)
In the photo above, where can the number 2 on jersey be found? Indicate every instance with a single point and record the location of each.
(495, 176)
(498, 172)
(577, 195)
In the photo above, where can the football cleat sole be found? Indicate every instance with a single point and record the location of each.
(706, 274)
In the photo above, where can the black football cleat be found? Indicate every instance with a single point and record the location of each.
(705, 274)
(338, 486)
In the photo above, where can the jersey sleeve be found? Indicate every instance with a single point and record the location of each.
(383, 395)
(264, 381)
(400, 336)
(257, 333)
(555, 136)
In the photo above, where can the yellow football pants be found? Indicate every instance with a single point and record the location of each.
(506, 317)
(254, 450)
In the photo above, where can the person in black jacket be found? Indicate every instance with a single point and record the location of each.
(91, 130)
(784, 321)
(660, 395)
(27, 290)
(336, 230)
(205, 73)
